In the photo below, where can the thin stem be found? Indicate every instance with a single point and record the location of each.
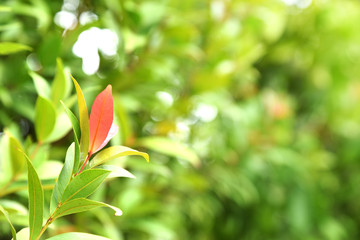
(48, 222)
(82, 167)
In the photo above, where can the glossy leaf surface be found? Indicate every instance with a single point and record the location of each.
(117, 171)
(84, 121)
(81, 205)
(64, 177)
(36, 201)
(74, 121)
(113, 152)
(101, 119)
(84, 184)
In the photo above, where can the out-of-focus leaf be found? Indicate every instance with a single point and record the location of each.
(64, 177)
(13, 231)
(113, 152)
(10, 47)
(5, 163)
(61, 85)
(84, 122)
(81, 205)
(84, 184)
(61, 128)
(123, 120)
(76, 235)
(49, 169)
(171, 148)
(101, 119)
(45, 118)
(22, 185)
(36, 201)
(13, 207)
(41, 85)
(5, 9)
(117, 171)
(16, 157)
(23, 234)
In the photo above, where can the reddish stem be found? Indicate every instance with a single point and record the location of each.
(82, 167)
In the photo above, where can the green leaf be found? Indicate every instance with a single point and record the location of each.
(64, 177)
(13, 231)
(81, 205)
(61, 128)
(61, 85)
(36, 201)
(23, 234)
(77, 235)
(74, 121)
(11, 47)
(5, 163)
(84, 122)
(49, 169)
(13, 207)
(113, 152)
(171, 148)
(41, 85)
(84, 184)
(17, 158)
(5, 9)
(116, 171)
(45, 118)
(76, 128)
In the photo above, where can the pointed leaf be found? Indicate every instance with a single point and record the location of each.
(13, 231)
(76, 235)
(84, 122)
(84, 184)
(74, 121)
(11, 47)
(61, 87)
(16, 157)
(61, 128)
(171, 148)
(64, 177)
(36, 201)
(116, 171)
(76, 129)
(45, 118)
(81, 205)
(113, 152)
(41, 85)
(101, 118)
(113, 131)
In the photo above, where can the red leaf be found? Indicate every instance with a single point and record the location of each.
(101, 119)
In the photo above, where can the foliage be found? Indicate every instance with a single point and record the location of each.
(249, 110)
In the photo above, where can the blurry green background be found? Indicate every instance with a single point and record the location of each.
(250, 111)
